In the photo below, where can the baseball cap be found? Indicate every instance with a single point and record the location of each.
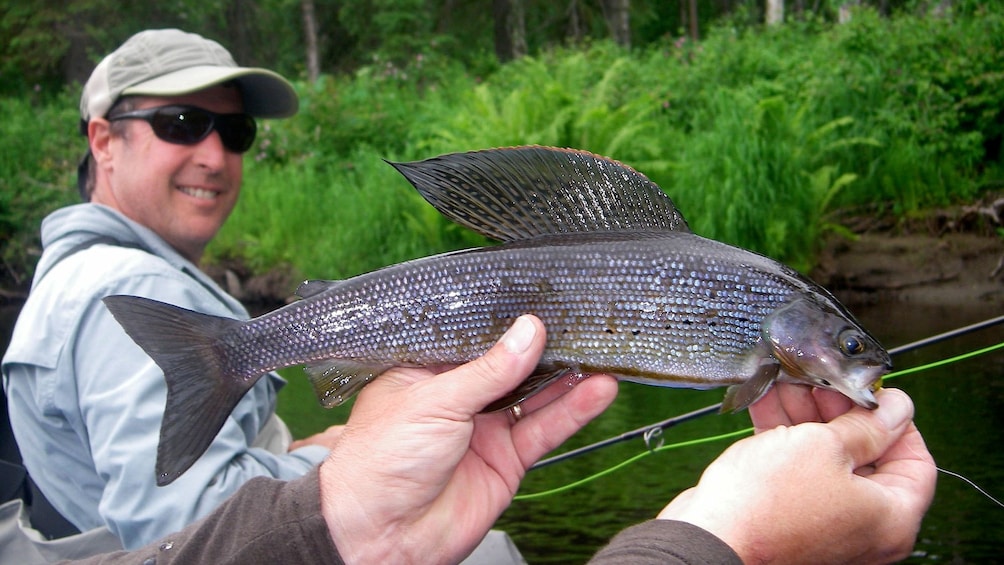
(171, 62)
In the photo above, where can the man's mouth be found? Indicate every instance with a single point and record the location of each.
(200, 193)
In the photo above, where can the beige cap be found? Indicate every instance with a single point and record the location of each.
(170, 62)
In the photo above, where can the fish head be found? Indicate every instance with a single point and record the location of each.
(819, 343)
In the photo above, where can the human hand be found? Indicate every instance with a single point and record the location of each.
(326, 438)
(851, 490)
(420, 475)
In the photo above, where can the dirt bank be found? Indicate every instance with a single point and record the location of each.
(918, 268)
(951, 256)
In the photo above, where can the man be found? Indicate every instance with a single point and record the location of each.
(167, 117)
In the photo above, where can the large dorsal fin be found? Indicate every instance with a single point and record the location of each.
(522, 192)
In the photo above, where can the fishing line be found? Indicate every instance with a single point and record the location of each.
(935, 364)
(632, 459)
(970, 483)
(746, 431)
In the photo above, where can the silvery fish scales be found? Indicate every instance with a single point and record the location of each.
(591, 247)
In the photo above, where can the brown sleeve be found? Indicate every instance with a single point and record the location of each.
(266, 521)
(665, 542)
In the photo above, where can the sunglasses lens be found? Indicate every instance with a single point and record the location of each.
(185, 126)
(189, 125)
(237, 131)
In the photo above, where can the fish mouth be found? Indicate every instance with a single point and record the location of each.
(861, 385)
(864, 398)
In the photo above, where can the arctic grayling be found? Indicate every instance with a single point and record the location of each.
(593, 248)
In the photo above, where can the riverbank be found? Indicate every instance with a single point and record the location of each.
(949, 256)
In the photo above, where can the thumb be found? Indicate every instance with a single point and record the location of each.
(867, 434)
(478, 383)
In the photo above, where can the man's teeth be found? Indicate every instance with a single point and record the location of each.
(199, 192)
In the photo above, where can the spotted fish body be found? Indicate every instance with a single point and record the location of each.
(591, 247)
(645, 306)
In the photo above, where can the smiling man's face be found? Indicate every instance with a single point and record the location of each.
(184, 193)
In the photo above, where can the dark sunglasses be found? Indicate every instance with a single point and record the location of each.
(188, 125)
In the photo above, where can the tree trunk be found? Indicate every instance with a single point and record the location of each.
(237, 16)
(310, 35)
(694, 33)
(510, 29)
(683, 13)
(844, 13)
(775, 12)
(574, 27)
(617, 15)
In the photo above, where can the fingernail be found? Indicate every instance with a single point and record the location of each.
(517, 339)
(894, 408)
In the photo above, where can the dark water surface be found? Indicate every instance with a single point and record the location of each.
(960, 410)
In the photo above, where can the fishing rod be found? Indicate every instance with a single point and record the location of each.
(652, 432)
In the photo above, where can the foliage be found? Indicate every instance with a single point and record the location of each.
(39, 150)
(757, 134)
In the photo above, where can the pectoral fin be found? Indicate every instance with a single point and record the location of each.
(337, 380)
(741, 396)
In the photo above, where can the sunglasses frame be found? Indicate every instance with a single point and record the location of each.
(228, 126)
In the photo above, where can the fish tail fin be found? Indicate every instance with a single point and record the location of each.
(202, 389)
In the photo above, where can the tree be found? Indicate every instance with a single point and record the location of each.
(775, 12)
(688, 15)
(617, 14)
(310, 38)
(510, 29)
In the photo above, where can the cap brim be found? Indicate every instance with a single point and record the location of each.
(266, 94)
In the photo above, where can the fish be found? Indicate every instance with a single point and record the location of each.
(592, 247)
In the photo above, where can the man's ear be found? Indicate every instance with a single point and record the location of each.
(99, 138)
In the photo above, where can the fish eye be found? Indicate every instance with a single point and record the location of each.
(851, 343)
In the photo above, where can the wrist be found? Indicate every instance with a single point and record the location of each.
(356, 537)
(722, 523)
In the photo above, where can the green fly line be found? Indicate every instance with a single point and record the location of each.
(744, 432)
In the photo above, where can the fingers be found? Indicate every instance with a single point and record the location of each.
(787, 404)
(505, 365)
(868, 434)
(830, 404)
(798, 403)
(547, 427)
(467, 389)
(767, 412)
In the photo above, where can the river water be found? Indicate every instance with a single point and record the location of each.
(960, 410)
